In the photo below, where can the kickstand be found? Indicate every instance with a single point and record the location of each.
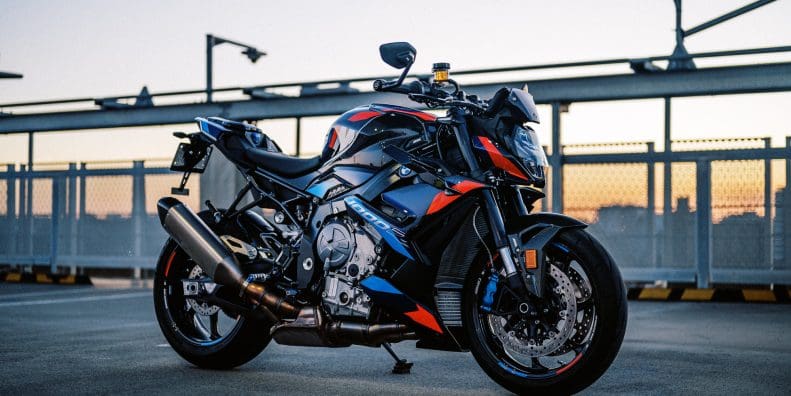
(401, 366)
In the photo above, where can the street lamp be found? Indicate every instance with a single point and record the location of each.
(9, 75)
(251, 52)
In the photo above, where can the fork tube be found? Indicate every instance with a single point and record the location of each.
(463, 140)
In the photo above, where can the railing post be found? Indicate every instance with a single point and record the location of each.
(703, 227)
(53, 238)
(81, 209)
(556, 160)
(22, 217)
(29, 220)
(651, 205)
(138, 210)
(667, 197)
(10, 204)
(298, 137)
(768, 202)
(71, 216)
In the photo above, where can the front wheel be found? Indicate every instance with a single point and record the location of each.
(560, 344)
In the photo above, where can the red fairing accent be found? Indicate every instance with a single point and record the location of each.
(363, 115)
(333, 138)
(441, 200)
(424, 318)
(499, 160)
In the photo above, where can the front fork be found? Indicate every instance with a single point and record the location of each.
(506, 250)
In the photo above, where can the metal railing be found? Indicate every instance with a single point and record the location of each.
(707, 211)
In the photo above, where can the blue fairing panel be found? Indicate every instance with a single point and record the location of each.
(211, 129)
(393, 235)
(413, 199)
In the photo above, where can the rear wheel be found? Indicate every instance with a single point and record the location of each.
(562, 343)
(203, 334)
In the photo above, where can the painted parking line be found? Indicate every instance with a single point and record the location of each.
(75, 299)
(14, 296)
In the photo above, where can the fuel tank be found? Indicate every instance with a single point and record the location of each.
(352, 151)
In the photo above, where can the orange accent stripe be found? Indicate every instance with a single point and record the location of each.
(571, 363)
(363, 115)
(442, 199)
(499, 160)
(170, 261)
(424, 318)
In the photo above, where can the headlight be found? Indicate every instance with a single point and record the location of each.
(527, 148)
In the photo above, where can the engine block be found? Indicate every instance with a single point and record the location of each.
(341, 295)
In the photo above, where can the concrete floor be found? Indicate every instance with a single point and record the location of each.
(67, 340)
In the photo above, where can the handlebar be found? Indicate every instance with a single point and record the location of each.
(424, 92)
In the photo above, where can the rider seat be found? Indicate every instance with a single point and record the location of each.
(266, 157)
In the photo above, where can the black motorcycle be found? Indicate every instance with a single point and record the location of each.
(408, 226)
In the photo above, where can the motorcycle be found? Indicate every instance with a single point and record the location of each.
(408, 226)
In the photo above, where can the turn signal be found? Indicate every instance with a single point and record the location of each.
(531, 261)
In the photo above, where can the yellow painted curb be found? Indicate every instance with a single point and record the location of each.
(697, 294)
(43, 278)
(758, 295)
(13, 277)
(654, 294)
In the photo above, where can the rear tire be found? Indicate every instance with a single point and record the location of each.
(244, 340)
(609, 300)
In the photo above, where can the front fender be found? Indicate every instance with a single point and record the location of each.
(529, 235)
(518, 224)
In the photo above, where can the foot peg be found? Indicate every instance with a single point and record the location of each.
(401, 366)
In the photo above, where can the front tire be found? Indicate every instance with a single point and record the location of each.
(582, 358)
(195, 330)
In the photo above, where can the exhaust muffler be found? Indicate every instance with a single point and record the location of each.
(211, 254)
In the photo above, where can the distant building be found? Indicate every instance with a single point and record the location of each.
(627, 234)
(741, 241)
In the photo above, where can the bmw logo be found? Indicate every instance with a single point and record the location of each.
(404, 171)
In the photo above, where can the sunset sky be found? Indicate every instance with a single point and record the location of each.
(93, 48)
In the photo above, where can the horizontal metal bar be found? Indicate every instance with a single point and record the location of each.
(679, 156)
(25, 260)
(709, 81)
(657, 274)
(108, 261)
(751, 276)
(749, 51)
(725, 17)
(85, 172)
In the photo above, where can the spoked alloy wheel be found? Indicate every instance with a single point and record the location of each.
(203, 334)
(196, 321)
(575, 331)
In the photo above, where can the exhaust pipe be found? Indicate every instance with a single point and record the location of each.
(211, 254)
(310, 329)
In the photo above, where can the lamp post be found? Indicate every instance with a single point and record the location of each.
(251, 52)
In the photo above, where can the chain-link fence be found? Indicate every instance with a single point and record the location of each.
(707, 211)
(92, 216)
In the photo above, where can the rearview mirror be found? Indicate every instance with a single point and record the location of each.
(398, 55)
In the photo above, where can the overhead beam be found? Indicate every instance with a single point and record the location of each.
(709, 81)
